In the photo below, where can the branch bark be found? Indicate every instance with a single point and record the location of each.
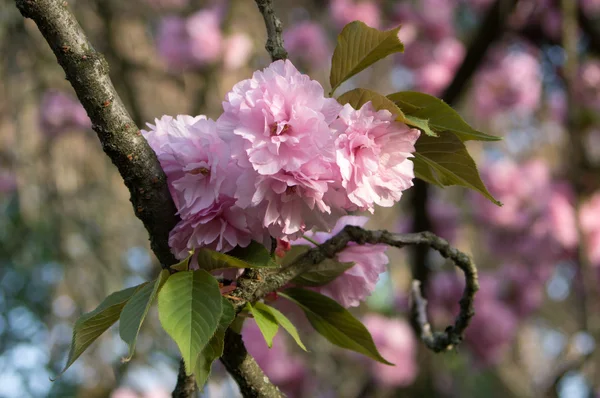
(87, 71)
(274, 44)
(252, 381)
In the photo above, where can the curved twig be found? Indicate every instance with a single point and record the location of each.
(250, 290)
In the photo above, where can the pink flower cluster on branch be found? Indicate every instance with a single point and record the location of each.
(281, 160)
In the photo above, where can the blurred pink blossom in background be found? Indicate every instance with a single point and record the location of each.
(285, 370)
(510, 82)
(346, 11)
(587, 87)
(60, 112)
(307, 42)
(194, 41)
(396, 342)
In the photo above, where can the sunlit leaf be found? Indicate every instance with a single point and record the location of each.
(136, 309)
(266, 322)
(358, 47)
(189, 308)
(283, 321)
(214, 348)
(91, 325)
(445, 161)
(440, 116)
(334, 322)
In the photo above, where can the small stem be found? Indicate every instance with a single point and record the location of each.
(310, 240)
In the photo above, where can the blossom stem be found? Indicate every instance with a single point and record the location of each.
(310, 240)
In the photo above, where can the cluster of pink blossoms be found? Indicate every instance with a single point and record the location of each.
(60, 112)
(281, 160)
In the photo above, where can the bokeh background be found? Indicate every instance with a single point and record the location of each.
(526, 70)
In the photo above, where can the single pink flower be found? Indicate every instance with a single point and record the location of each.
(195, 159)
(372, 152)
(279, 123)
(358, 282)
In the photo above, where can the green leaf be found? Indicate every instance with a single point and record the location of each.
(360, 96)
(323, 273)
(334, 322)
(183, 265)
(91, 325)
(293, 254)
(214, 348)
(189, 309)
(136, 309)
(445, 161)
(283, 321)
(253, 256)
(266, 322)
(358, 47)
(441, 116)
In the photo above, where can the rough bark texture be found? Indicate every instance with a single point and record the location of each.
(87, 71)
(246, 372)
(274, 44)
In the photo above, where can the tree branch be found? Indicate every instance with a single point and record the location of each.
(87, 71)
(274, 44)
(244, 369)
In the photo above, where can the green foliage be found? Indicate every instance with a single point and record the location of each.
(323, 273)
(136, 309)
(283, 321)
(183, 265)
(91, 325)
(214, 348)
(190, 307)
(334, 322)
(358, 47)
(266, 322)
(293, 254)
(253, 256)
(445, 161)
(440, 116)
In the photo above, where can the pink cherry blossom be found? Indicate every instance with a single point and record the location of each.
(8, 181)
(307, 42)
(221, 227)
(372, 152)
(345, 11)
(201, 177)
(590, 6)
(195, 159)
(280, 123)
(396, 342)
(358, 282)
(60, 112)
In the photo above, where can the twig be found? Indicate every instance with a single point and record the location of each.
(274, 44)
(252, 290)
(186, 385)
(87, 71)
(244, 369)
